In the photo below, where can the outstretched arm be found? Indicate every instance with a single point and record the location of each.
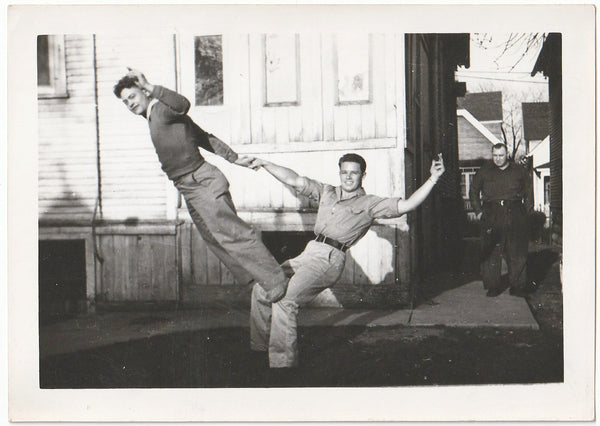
(282, 174)
(415, 200)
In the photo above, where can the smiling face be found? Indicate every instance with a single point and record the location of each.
(351, 176)
(135, 100)
(500, 157)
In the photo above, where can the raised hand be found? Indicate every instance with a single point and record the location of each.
(437, 167)
(142, 82)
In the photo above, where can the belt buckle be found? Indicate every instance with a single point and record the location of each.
(502, 202)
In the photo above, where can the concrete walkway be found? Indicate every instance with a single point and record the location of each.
(464, 306)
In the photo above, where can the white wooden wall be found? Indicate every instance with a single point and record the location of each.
(133, 184)
(308, 137)
(67, 178)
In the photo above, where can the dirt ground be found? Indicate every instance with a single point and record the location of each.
(334, 356)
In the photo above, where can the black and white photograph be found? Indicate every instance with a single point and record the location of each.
(275, 205)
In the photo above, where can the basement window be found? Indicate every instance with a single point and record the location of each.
(286, 245)
(61, 279)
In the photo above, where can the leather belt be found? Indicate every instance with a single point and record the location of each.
(504, 202)
(333, 243)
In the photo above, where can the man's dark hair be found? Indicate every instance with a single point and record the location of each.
(124, 83)
(353, 158)
(500, 146)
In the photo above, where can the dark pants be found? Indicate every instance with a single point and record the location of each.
(233, 241)
(504, 234)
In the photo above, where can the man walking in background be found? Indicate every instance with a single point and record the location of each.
(344, 216)
(501, 196)
(176, 139)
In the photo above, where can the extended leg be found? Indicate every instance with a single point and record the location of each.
(320, 269)
(208, 195)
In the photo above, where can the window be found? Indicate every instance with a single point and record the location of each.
(208, 52)
(353, 64)
(466, 178)
(51, 67)
(281, 70)
(546, 189)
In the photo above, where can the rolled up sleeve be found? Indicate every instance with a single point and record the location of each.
(383, 208)
(311, 188)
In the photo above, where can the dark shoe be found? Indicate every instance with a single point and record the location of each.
(524, 290)
(517, 292)
(258, 359)
(495, 291)
(277, 377)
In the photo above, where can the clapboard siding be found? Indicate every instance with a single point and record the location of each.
(67, 140)
(127, 153)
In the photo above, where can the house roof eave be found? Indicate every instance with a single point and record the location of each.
(477, 124)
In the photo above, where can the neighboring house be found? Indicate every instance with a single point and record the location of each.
(107, 209)
(479, 128)
(536, 130)
(549, 62)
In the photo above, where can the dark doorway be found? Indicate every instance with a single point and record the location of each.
(431, 128)
(286, 245)
(62, 279)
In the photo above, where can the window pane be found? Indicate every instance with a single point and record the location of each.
(463, 186)
(353, 66)
(281, 69)
(209, 70)
(43, 62)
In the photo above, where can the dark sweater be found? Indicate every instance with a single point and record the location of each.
(176, 137)
(512, 183)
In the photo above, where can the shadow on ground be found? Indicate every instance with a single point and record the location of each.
(330, 356)
(346, 356)
(542, 268)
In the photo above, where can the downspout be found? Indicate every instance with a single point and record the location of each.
(178, 223)
(98, 206)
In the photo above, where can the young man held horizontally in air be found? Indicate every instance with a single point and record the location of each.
(176, 139)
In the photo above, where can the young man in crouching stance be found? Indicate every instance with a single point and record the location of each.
(344, 216)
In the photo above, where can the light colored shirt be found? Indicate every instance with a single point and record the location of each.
(346, 220)
(150, 105)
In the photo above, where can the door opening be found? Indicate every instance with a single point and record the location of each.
(61, 279)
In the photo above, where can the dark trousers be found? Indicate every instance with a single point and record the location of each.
(233, 241)
(504, 234)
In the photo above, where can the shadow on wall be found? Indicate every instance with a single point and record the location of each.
(371, 275)
(67, 206)
(61, 262)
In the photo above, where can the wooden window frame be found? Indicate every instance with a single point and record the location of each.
(465, 176)
(297, 83)
(336, 75)
(57, 69)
